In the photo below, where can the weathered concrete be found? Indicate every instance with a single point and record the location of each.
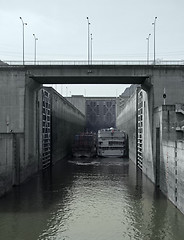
(154, 152)
(12, 92)
(84, 74)
(161, 78)
(6, 161)
(29, 163)
(148, 158)
(127, 122)
(79, 102)
(19, 127)
(179, 180)
(19, 102)
(169, 165)
(157, 77)
(18, 120)
(67, 121)
(98, 74)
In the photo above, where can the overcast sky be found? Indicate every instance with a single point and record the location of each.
(119, 28)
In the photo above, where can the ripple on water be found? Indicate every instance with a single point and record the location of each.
(98, 199)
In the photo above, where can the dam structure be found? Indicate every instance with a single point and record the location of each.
(152, 120)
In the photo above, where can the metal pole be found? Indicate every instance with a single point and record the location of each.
(154, 23)
(91, 47)
(88, 39)
(35, 48)
(23, 24)
(148, 48)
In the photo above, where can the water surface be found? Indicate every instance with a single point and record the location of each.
(97, 199)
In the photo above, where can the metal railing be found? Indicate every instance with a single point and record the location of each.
(95, 62)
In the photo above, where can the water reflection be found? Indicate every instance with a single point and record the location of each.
(89, 199)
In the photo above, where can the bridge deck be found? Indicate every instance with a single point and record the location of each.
(113, 73)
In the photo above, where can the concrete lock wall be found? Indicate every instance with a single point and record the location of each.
(19, 127)
(12, 96)
(127, 121)
(148, 158)
(12, 92)
(6, 162)
(29, 165)
(67, 121)
(172, 81)
(139, 130)
(170, 168)
(79, 101)
(162, 134)
(18, 119)
(163, 157)
(179, 180)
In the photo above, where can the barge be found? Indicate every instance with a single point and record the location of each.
(84, 145)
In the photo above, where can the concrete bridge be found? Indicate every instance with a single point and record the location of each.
(152, 77)
(20, 104)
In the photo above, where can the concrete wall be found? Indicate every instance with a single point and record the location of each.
(179, 180)
(170, 166)
(12, 128)
(12, 92)
(6, 162)
(18, 104)
(18, 115)
(148, 158)
(67, 121)
(30, 163)
(172, 79)
(19, 127)
(127, 121)
(79, 102)
(162, 143)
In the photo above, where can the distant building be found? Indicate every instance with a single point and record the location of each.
(100, 113)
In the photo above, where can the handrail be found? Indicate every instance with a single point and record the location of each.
(94, 62)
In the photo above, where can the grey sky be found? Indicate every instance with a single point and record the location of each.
(119, 29)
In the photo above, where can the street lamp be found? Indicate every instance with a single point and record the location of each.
(88, 40)
(35, 38)
(91, 46)
(154, 23)
(23, 24)
(148, 48)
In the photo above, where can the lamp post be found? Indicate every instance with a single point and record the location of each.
(148, 48)
(35, 38)
(154, 24)
(91, 47)
(23, 24)
(88, 40)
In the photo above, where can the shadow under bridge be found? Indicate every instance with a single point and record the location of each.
(88, 75)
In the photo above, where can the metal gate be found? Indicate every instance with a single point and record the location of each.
(46, 129)
(140, 130)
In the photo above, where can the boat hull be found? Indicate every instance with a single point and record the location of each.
(84, 145)
(112, 143)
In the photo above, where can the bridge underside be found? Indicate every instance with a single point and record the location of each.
(90, 79)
